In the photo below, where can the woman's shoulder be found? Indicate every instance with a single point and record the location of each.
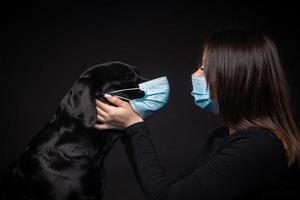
(257, 142)
(257, 135)
(251, 136)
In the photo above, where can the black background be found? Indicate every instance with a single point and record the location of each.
(45, 47)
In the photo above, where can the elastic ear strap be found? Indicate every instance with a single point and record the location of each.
(123, 90)
(122, 97)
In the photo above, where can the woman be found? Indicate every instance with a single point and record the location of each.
(261, 147)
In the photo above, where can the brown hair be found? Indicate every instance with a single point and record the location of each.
(244, 72)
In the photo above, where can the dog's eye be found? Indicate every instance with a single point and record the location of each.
(128, 76)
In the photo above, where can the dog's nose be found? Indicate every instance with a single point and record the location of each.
(142, 79)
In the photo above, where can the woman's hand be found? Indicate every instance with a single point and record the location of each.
(119, 116)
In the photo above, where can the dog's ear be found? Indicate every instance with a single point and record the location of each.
(79, 102)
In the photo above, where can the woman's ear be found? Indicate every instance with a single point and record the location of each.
(79, 102)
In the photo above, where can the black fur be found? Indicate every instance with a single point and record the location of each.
(65, 159)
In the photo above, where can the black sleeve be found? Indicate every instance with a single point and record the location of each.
(212, 145)
(243, 164)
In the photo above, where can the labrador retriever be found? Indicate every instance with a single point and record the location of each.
(65, 159)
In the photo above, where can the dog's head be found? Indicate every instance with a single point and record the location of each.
(93, 83)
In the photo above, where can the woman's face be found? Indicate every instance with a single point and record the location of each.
(198, 73)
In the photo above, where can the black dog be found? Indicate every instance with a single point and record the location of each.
(65, 159)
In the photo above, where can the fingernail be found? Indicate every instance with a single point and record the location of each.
(107, 95)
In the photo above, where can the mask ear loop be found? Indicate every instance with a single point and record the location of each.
(122, 97)
(124, 90)
(127, 89)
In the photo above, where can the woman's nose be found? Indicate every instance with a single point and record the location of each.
(198, 73)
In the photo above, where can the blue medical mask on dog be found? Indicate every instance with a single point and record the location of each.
(156, 96)
(201, 95)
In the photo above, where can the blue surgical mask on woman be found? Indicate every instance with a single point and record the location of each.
(201, 95)
(156, 96)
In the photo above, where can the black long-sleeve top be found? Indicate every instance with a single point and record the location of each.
(248, 164)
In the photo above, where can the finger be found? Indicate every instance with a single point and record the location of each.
(102, 126)
(115, 100)
(98, 102)
(103, 106)
(101, 119)
(106, 126)
(101, 112)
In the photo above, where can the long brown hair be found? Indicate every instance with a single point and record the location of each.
(245, 75)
